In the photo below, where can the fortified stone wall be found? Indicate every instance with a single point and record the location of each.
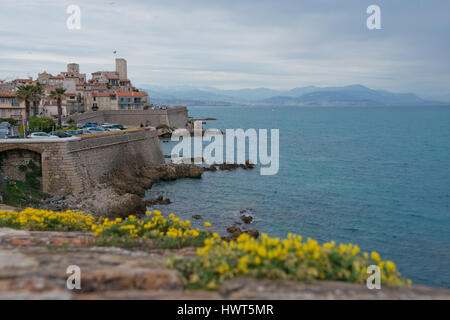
(75, 164)
(96, 156)
(174, 117)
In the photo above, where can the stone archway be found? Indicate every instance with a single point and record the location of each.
(22, 163)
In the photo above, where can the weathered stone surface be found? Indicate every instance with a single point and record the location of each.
(12, 232)
(126, 278)
(248, 288)
(10, 259)
(38, 271)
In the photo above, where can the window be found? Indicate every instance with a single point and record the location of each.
(3, 113)
(122, 106)
(16, 112)
(137, 106)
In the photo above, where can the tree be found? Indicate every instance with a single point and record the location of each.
(25, 93)
(41, 124)
(38, 91)
(57, 95)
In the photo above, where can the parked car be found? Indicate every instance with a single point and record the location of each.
(96, 130)
(119, 126)
(61, 134)
(4, 133)
(41, 135)
(5, 124)
(110, 127)
(91, 125)
(75, 132)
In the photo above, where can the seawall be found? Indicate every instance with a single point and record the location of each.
(176, 117)
(75, 164)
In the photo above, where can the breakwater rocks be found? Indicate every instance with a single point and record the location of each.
(120, 192)
(230, 166)
(237, 228)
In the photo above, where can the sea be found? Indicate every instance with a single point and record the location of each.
(377, 177)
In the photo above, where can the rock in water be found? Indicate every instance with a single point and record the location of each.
(247, 219)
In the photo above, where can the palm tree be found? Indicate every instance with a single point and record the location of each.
(57, 95)
(25, 93)
(38, 90)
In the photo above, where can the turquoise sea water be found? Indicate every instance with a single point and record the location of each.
(376, 177)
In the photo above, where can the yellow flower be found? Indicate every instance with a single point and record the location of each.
(207, 224)
(375, 256)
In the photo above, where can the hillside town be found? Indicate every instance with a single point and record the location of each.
(21, 99)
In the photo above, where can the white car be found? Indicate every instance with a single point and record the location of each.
(41, 135)
(96, 130)
(110, 127)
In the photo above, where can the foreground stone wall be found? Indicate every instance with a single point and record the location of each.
(174, 117)
(75, 164)
(29, 270)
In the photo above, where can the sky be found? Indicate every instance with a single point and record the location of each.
(231, 44)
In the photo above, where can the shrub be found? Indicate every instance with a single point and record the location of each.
(164, 233)
(11, 121)
(41, 124)
(287, 259)
(36, 219)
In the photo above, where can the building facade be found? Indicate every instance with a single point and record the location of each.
(10, 107)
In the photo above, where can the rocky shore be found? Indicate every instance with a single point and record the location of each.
(120, 193)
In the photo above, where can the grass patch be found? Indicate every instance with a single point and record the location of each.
(21, 194)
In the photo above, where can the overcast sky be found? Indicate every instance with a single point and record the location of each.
(235, 44)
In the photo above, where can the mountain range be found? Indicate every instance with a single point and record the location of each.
(310, 96)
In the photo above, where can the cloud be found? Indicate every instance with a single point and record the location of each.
(232, 44)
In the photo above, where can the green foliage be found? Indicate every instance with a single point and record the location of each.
(41, 124)
(32, 181)
(165, 127)
(11, 121)
(21, 194)
(281, 259)
(152, 230)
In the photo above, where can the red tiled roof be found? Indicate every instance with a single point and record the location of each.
(103, 94)
(131, 94)
(23, 80)
(7, 94)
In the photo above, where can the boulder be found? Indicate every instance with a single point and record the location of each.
(247, 219)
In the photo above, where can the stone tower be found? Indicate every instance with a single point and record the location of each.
(73, 67)
(121, 68)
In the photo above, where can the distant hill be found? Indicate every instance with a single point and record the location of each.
(353, 95)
